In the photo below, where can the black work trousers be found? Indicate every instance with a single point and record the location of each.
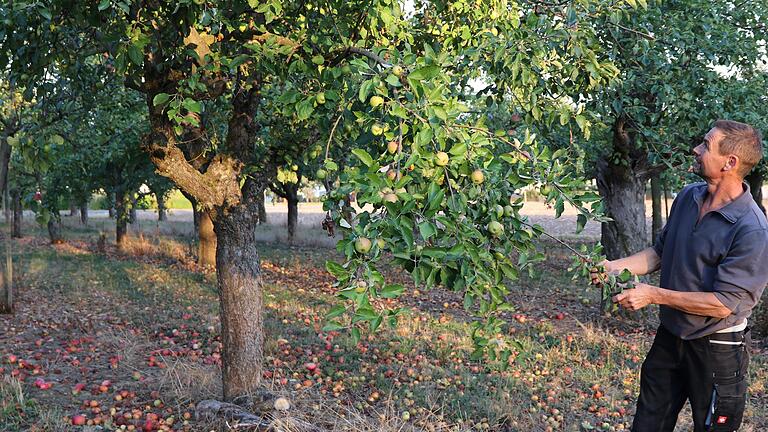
(710, 372)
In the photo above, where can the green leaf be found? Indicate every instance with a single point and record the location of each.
(625, 276)
(427, 230)
(192, 105)
(336, 269)
(363, 156)
(365, 90)
(355, 335)
(304, 108)
(335, 311)
(45, 13)
(135, 54)
(458, 150)
(424, 73)
(103, 4)
(393, 81)
(160, 99)
(333, 326)
(392, 291)
(581, 221)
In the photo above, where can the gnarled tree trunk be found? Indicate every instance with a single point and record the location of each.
(234, 211)
(621, 181)
(240, 294)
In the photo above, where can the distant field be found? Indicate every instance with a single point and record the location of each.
(178, 201)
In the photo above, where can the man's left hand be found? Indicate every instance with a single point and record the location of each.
(635, 298)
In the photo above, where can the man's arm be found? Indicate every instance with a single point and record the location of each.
(644, 262)
(695, 303)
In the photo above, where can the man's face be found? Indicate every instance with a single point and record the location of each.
(709, 162)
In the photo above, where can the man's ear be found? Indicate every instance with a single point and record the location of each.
(731, 163)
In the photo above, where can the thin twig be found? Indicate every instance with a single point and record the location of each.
(579, 254)
(330, 137)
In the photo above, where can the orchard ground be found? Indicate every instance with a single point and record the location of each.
(133, 338)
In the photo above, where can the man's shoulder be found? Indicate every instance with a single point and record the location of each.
(754, 219)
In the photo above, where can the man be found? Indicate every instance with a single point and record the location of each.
(713, 256)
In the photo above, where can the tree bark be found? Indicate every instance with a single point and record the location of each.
(755, 181)
(196, 222)
(240, 293)
(133, 218)
(112, 211)
(6, 278)
(207, 246)
(656, 207)
(161, 215)
(73, 208)
(121, 222)
(18, 214)
(5, 158)
(54, 231)
(195, 213)
(262, 209)
(292, 197)
(621, 181)
(84, 213)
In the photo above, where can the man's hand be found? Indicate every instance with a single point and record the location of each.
(636, 298)
(599, 273)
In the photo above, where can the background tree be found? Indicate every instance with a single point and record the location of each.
(677, 69)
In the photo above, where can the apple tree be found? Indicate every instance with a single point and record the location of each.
(386, 76)
(678, 71)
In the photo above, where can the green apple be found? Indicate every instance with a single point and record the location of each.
(509, 210)
(393, 147)
(477, 177)
(499, 211)
(495, 228)
(362, 245)
(377, 129)
(441, 158)
(321, 174)
(381, 243)
(376, 101)
(320, 98)
(397, 70)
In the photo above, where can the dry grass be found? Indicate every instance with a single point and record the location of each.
(188, 382)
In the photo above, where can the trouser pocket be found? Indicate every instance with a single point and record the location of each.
(727, 406)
